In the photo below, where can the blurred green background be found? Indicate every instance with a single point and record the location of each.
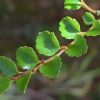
(20, 22)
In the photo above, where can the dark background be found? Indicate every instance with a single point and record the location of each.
(20, 22)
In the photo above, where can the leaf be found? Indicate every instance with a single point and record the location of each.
(4, 84)
(52, 68)
(78, 48)
(72, 4)
(88, 18)
(7, 66)
(95, 29)
(22, 83)
(69, 27)
(47, 43)
(26, 57)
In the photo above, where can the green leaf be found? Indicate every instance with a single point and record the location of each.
(22, 83)
(69, 27)
(7, 67)
(52, 68)
(47, 43)
(26, 57)
(95, 29)
(78, 48)
(88, 18)
(72, 4)
(4, 84)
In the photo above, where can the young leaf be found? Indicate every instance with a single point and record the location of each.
(26, 57)
(69, 27)
(78, 48)
(22, 83)
(7, 67)
(4, 84)
(88, 18)
(52, 68)
(47, 43)
(95, 29)
(72, 4)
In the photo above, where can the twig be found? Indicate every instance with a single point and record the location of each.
(34, 70)
(21, 74)
(85, 6)
(42, 62)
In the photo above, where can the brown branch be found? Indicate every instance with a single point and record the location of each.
(21, 74)
(59, 52)
(37, 66)
(34, 70)
(85, 6)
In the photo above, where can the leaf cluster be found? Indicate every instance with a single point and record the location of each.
(47, 44)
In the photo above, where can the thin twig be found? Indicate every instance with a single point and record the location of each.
(37, 66)
(42, 62)
(85, 6)
(14, 78)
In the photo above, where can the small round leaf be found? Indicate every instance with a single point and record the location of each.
(95, 29)
(47, 43)
(72, 4)
(52, 68)
(4, 84)
(88, 18)
(78, 48)
(69, 27)
(22, 83)
(26, 57)
(7, 67)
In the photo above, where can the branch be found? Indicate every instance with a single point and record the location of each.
(59, 52)
(85, 6)
(42, 62)
(34, 70)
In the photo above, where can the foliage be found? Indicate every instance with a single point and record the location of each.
(26, 57)
(72, 4)
(69, 27)
(52, 68)
(78, 48)
(88, 18)
(45, 47)
(48, 45)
